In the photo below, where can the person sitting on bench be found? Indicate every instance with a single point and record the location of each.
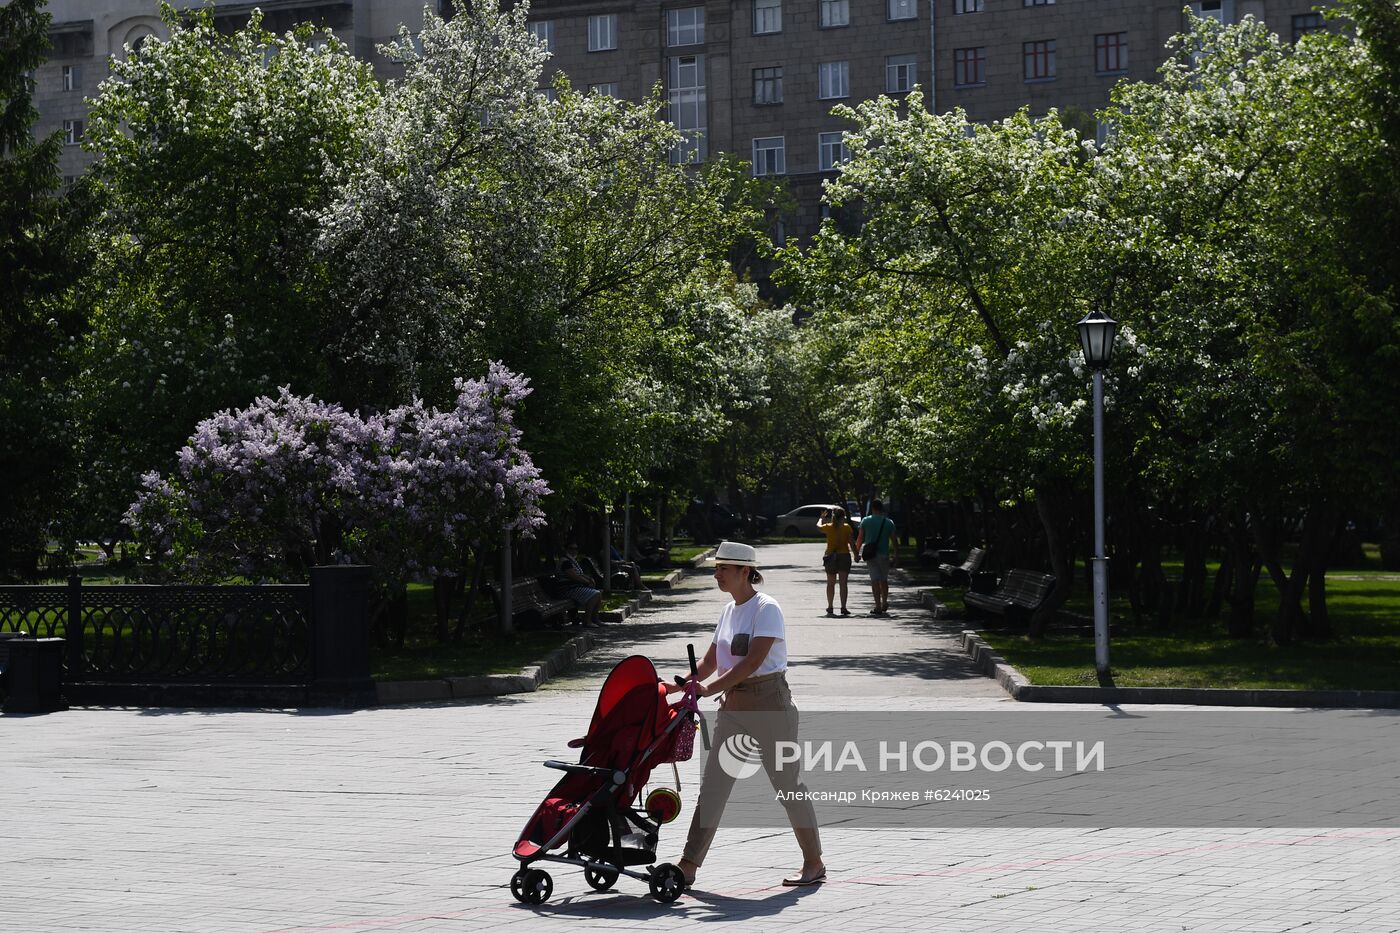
(580, 586)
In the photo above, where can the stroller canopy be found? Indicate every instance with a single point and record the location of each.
(631, 714)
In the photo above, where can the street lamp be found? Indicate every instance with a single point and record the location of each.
(1096, 332)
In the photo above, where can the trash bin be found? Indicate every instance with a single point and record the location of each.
(33, 675)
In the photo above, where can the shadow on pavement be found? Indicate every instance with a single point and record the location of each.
(695, 906)
(934, 665)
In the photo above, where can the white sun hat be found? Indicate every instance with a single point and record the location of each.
(732, 552)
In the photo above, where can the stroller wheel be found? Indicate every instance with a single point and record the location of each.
(599, 879)
(667, 883)
(531, 886)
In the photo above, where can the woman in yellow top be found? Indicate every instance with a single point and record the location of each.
(840, 548)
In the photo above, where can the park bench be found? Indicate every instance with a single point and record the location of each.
(529, 601)
(620, 579)
(1021, 593)
(961, 574)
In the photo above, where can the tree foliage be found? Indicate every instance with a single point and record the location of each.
(1256, 360)
(213, 156)
(39, 254)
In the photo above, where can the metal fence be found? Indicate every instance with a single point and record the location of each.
(206, 645)
(254, 634)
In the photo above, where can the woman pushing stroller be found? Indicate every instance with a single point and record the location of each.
(749, 651)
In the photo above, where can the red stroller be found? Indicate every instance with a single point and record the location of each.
(590, 812)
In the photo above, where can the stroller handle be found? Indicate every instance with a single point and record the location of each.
(695, 674)
(618, 777)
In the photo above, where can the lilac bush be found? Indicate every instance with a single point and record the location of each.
(268, 491)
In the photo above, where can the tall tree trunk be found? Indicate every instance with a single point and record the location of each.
(1051, 508)
(1328, 530)
(1193, 573)
(1319, 620)
(1223, 576)
(398, 613)
(663, 530)
(1244, 578)
(469, 597)
(443, 587)
(1290, 622)
(1390, 536)
(1153, 579)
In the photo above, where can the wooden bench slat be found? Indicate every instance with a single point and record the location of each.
(1022, 591)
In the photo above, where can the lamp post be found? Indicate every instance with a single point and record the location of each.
(1096, 331)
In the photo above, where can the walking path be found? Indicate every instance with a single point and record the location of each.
(402, 819)
(831, 662)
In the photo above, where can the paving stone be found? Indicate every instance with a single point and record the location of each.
(402, 818)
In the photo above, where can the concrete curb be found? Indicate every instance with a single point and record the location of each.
(698, 560)
(486, 685)
(928, 598)
(668, 581)
(619, 615)
(1016, 684)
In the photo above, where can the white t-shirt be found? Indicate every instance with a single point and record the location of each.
(760, 616)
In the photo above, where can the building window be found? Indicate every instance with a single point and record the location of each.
(1210, 9)
(1104, 131)
(903, 9)
(767, 86)
(685, 27)
(543, 30)
(767, 16)
(1039, 59)
(72, 132)
(607, 89)
(966, 6)
(1111, 53)
(835, 13)
(1305, 23)
(548, 93)
(1038, 2)
(833, 80)
(831, 151)
(769, 156)
(602, 32)
(687, 106)
(969, 67)
(73, 75)
(901, 71)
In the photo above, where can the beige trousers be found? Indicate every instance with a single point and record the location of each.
(768, 694)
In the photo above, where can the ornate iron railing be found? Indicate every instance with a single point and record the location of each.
(174, 634)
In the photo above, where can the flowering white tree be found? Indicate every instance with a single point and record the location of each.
(214, 156)
(488, 222)
(1218, 224)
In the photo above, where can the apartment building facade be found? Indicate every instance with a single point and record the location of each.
(758, 78)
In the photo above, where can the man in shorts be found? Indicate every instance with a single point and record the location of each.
(876, 529)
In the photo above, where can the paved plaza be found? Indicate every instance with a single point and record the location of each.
(402, 819)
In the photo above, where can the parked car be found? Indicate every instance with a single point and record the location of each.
(801, 520)
(724, 521)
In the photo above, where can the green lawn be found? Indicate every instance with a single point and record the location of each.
(1365, 612)
(483, 651)
(683, 554)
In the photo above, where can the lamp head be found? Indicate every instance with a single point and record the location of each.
(1096, 332)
